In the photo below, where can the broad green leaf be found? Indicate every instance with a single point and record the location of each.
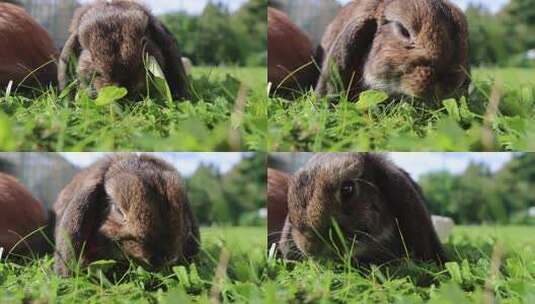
(154, 67)
(158, 80)
(370, 99)
(455, 271)
(7, 142)
(109, 95)
(452, 108)
(182, 274)
(101, 265)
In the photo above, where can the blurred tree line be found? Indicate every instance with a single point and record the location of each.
(234, 198)
(503, 38)
(480, 196)
(219, 37)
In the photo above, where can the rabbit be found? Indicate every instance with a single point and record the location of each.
(277, 189)
(21, 217)
(292, 66)
(416, 48)
(111, 39)
(125, 207)
(28, 55)
(379, 209)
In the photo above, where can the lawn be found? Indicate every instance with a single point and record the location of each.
(496, 115)
(227, 112)
(490, 265)
(34, 282)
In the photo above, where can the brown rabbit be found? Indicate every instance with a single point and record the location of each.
(125, 206)
(277, 190)
(111, 38)
(27, 53)
(379, 209)
(21, 215)
(408, 47)
(291, 64)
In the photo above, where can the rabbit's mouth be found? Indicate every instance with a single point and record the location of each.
(330, 245)
(419, 85)
(420, 79)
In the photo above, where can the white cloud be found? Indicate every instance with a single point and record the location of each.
(420, 163)
(185, 163)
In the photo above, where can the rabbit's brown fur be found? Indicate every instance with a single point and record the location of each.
(125, 205)
(408, 47)
(27, 53)
(111, 39)
(291, 66)
(277, 190)
(21, 216)
(383, 217)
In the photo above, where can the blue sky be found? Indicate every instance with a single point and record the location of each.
(186, 163)
(494, 5)
(419, 163)
(415, 163)
(196, 7)
(191, 6)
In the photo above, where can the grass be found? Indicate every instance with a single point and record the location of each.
(227, 112)
(490, 265)
(496, 115)
(34, 282)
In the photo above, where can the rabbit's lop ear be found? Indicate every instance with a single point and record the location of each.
(173, 68)
(177, 196)
(406, 202)
(277, 196)
(344, 59)
(193, 239)
(71, 46)
(80, 208)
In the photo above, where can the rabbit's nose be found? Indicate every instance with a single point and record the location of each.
(157, 261)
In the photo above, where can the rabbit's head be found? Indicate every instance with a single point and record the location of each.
(359, 204)
(112, 41)
(416, 48)
(126, 207)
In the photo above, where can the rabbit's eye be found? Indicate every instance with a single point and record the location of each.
(347, 189)
(402, 30)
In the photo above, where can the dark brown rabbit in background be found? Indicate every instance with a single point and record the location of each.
(379, 209)
(125, 206)
(416, 48)
(21, 216)
(291, 56)
(27, 52)
(110, 40)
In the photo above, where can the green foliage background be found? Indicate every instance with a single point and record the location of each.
(234, 198)
(219, 37)
(503, 38)
(479, 196)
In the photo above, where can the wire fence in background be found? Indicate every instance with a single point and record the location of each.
(313, 16)
(54, 15)
(43, 174)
